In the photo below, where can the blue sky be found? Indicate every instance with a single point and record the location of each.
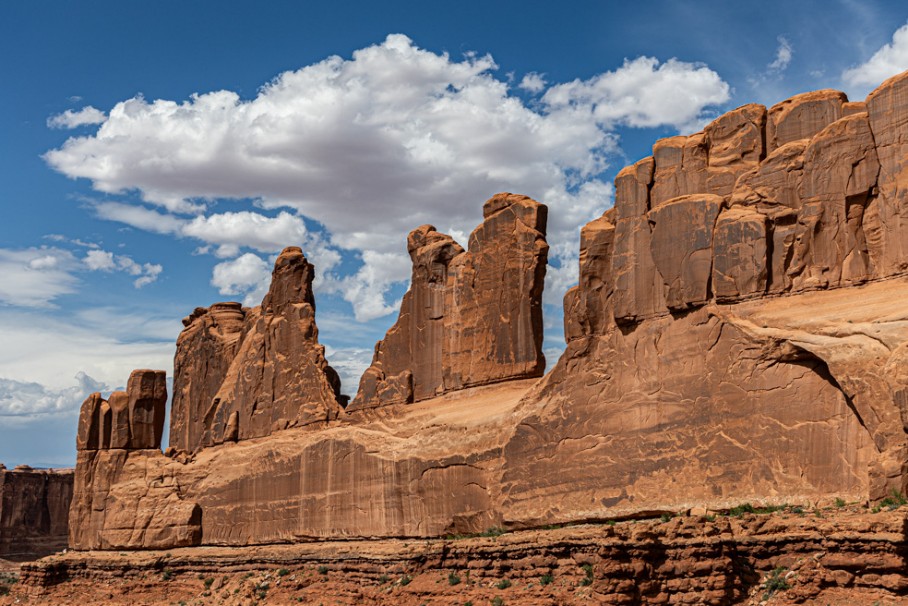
(156, 156)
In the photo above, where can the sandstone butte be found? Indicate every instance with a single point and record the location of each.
(738, 333)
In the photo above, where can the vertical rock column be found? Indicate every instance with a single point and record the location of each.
(470, 317)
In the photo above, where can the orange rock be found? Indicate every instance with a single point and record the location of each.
(470, 317)
(803, 116)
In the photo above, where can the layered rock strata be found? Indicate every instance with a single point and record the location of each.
(738, 332)
(244, 373)
(470, 317)
(818, 557)
(34, 511)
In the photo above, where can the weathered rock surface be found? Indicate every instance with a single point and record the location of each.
(738, 333)
(34, 510)
(242, 374)
(835, 557)
(470, 318)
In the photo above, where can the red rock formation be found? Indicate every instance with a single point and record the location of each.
(738, 332)
(34, 510)
(243, 374)
(205, 350)
(469, 318)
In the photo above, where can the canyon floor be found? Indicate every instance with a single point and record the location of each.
(790, 555)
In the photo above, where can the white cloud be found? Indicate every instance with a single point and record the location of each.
(644, 93)
(102, 260)
(34, 277)
(22, 401)
(350, 363)
(784, 54)
(533, 83)
(264, 234)
(139, 217)
(889, 60)
(371, 147)
(84, 117)
(49, 347)
(247, 275)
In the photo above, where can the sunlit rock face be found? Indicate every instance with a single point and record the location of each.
(470, 317)
(738, 332)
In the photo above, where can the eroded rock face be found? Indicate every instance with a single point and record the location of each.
(738, 332)
(243, 374)
(470, 317)
(34, 511)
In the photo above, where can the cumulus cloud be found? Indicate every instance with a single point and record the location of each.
(371, 147)
(889, 60)
(533, 83)
(248, 275)
(102, 260)
(21, 400)
(86, 116)
(644, 93)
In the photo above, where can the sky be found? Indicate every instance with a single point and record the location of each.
(156, 156)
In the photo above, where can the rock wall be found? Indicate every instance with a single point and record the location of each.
(470, 317)
(34, 511)
(244, 373)
(833, 556)
(738, 332)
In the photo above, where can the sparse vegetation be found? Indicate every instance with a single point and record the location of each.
(839, 502)
(738, 511)
(665, 517)
(208, 582)
(497, 601)
(546, 579)
(323, 569)
(494, 531)
(453, 579)
(384, 579)
(892, 502)
(167, 574)
(405, 580)
(775, 582)
(282, 572)
(261, 590)
(503, 584)
(588, 579)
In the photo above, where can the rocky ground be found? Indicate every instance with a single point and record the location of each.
(793, 555)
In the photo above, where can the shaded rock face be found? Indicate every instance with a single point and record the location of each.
(34, 511)
(244, 373)
(470, 317)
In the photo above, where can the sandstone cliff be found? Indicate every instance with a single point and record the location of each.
(470, 318)
(34, 510)
(244, 373)
(738, 332)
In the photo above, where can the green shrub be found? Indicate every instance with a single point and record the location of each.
(839, 502)
(384, 579)
(775, 582)
(323, 569)
(546, 579)
(405, 580)
(588, 579)
(453, 579)
(503, 584)
(167, 574)
(497, 601)
(282, 572)
(665, 517)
